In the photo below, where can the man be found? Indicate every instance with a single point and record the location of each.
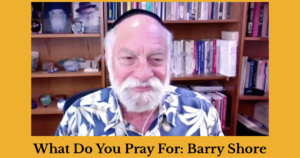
(57, 18)
(140, 101)
(89, 15)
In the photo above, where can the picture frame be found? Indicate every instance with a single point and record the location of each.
(89, 14)
(57, 17)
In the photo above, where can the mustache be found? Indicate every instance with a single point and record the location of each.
(131, 82)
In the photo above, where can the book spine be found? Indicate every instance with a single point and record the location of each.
(195, 56)
(265, 20)
(223, 109)
(261, 18)
(250, 19)
(148, 6)
(228, 10)
(224, 12)
(213, 7)
(202, 58)
(214, 56)
(251, 74)
(220, 13)
(256, 19)
(199, 56)
(206, 57)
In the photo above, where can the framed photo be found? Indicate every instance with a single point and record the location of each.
(88, 13)
(57, 17)
(36, 17)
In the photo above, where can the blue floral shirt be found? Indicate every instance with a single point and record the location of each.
(182, 113)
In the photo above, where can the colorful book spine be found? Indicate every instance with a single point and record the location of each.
(256, 19)
(250, 19)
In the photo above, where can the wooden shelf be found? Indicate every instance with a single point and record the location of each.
(43, 74)
(192, 21)
(199, 77)
(256, 39)
(64, 35)
(51, 109)
(254, 97)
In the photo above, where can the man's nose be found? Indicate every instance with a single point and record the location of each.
(143, 71)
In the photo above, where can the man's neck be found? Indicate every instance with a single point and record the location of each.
(140, 120)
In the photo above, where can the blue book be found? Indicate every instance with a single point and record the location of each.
(213, 10)
(190, 10)
(109, 11)
(202, 57)
(261, 18)
(149, 6)
(228, 10)
(251, 90)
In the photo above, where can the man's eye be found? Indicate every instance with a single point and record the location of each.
(157, 61)
(127, 60)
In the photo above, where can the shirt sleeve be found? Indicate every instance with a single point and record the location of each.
(214, 123)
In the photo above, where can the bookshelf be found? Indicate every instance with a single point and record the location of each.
(254, 48)
(53, 48)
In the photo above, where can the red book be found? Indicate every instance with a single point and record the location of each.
(223, 109)
(256, 19)
(214, 56)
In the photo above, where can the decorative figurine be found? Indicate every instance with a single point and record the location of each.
(33, 104)
(45, 100)
(47, 65)
(53, 69)
(77, 26)
(35, 26)
(71, 66)
(34, 60)
(61, 104)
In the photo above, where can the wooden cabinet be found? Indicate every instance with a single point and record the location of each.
(55, 47)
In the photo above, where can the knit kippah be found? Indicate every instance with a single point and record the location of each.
(136, 12)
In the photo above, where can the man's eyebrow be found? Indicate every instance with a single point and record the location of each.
(158, 52)
(126, 50)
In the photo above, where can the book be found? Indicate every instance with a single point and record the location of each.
(224, 109)
(256, 14)
(265, 20)
(243, 77)
(261, 15)
(227, 57)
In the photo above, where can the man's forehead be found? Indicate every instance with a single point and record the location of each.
(140, 20)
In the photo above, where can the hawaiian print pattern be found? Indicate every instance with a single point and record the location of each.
(182, 113)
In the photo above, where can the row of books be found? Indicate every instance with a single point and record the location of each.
(255, 76)
(258, 20)
(219, 100)
(174, 10)
(204, 57)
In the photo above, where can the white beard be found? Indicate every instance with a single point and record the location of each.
(143, 101)
(58, 24)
